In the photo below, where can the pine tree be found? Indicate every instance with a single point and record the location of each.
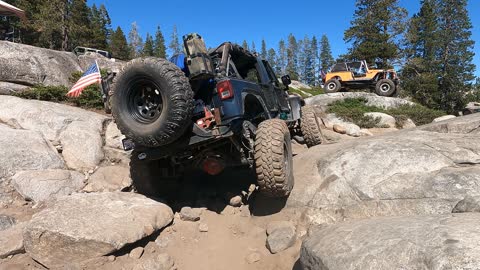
(263, 50)
(135, 41)
(148, 49)
(159, 45)
(439, 70)
(326, 58)
(174, 46)
(292, 57)
(271, 58)
(456, 54)
(315, 68)
(375, 31)
(307, 59)
(245, 45)
(78, 24)
(100, 29)
(252, 48)
(419, 74)
(281, 57)
(119, 46)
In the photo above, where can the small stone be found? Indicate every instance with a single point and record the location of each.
(236, 201)
(111, 258)
(136, 253)
(202, 227)
(162, 241)
(189, 214)
(339, 129)
(161, 262)
(281, 235)
(253, 257)
(443, 118)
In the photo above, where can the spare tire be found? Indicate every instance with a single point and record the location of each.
(152, 102)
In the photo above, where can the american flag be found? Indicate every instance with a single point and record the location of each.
(91, 76)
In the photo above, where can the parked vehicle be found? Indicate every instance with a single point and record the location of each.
(209, 110)
(357, 75)
(83, 50)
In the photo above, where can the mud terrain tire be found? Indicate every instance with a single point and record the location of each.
(152, 177)
(309, 127)
(332, 86)
(273, 158)
(385, 88)
(152, 102)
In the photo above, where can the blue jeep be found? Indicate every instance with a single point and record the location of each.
(209, 110)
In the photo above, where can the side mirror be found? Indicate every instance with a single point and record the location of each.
(286, 80)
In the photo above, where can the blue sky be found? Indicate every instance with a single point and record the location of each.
(253, 20)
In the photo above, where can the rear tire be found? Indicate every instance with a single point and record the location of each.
(385, 88)
(153, 177)
(273, 158)
(309, 127)
(332, 86)
(152, 102)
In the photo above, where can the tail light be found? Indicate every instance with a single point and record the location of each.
(213, 166)
(225, 90)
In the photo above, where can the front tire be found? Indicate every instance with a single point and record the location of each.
(309, 127)
(152, 102)
(385, 88)
(332, 86)
(273, 158)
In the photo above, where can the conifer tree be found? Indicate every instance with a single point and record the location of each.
(315, 67)
(281, 57)
(252, 48)
(148, 49)
(135, 41)
(271, 58)
(174, 45)
(245, 45)
(159, 44)
(375, 31)
(78, 25)
(326, 58)
(292, 57)
(263, 50)
(119, 46)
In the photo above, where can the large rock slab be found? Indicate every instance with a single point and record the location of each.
(79, 131)
(29, 65)
(322, 101)
(42, 185)
(410, 243)
(84, 226)
(408, 172)
(111, 178)
(7, 88)
(26, 150)
(112, 64)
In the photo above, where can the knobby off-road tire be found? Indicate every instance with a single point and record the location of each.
(152, 102)
(309, 127)
(273, 158)
(332, 86)
(151, 177)
(385, 87)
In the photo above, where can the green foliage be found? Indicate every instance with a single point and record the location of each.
(292, 57)
(433, 75)
(135, 41)
(374, 31)
(47, 93)
(119, 46)
(174, 45)
(353, 110)
(148, 49)
(326, 58)
(263, 50)
(159, 44)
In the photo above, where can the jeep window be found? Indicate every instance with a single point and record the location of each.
(253, 76)
(271, 74)
(339, 67)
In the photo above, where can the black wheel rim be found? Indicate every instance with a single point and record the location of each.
(145, 102)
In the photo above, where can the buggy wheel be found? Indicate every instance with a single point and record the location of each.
(332, 86)
(385, 87)
(273, 158)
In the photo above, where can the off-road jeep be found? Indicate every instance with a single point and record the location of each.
(357, 75)
(209, 110)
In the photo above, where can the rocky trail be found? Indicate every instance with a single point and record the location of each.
(377, 198)
(66, 202)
